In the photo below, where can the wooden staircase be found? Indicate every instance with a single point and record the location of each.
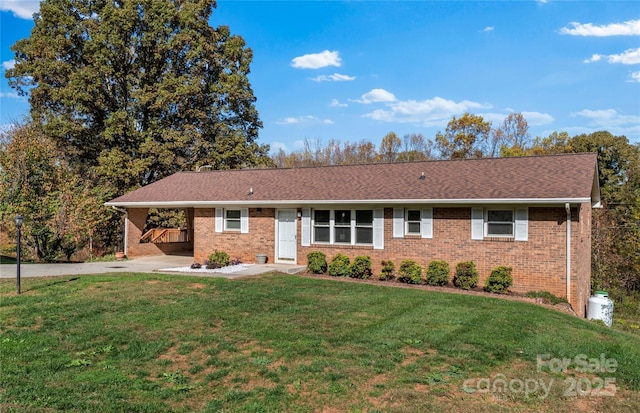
(165, 235)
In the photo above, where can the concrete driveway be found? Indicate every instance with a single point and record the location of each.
(144, 264)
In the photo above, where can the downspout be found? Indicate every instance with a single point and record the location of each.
(126, 226)
(567, 207)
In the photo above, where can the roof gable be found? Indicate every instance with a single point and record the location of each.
(551, 179)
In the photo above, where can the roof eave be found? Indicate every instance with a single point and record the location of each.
(290, 203)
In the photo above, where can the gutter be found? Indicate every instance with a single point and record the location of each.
(315, 202)
(567, 207)
(126, 226)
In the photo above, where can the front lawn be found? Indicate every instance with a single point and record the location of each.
(281, 343)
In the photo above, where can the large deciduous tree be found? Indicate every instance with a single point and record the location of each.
(138, 89)
(465, 137)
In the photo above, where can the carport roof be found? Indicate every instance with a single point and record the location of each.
(551, 179)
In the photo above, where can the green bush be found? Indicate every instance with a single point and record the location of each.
(360, 267)
(437, 273)
(339, 266)
(218, 259)
(410, 272)
(316, 262)
(466, 275)
(388, 271)
(499, 281)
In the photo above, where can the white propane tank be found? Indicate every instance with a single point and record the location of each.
(601, 308)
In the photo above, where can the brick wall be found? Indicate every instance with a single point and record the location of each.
(259, 240)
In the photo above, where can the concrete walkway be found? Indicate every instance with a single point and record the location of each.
(145, 264)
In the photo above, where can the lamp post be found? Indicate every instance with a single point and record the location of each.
(18, 221)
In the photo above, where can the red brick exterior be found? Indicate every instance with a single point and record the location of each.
(539, 264)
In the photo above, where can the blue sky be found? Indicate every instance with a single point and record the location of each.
(353, 70)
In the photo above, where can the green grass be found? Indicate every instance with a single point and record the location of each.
(160, 343)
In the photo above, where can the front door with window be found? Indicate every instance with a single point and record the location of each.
(286, 227)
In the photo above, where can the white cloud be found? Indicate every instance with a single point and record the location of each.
(301, 120)
(628, 57)
(594, 58)
(317, 60)
(23, 9)
(377, 95)
(430, 112)
(488, 29)
(12, 95)
(275, 146)
(335, 103)
(336, 77)
(635, 77)
(9, 64)
(537, 118)
(608, 118)
(629, 28)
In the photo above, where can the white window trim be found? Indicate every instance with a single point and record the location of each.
(377, 243)
(512, 222)
(479, 223)
(221, 220)
(401, 222)
(227, 220)
(406, 221)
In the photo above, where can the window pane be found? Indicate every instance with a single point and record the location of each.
(500, 216)
(233, 224)
(500, 229)
(364, 235)
(413, 228)
(233, 214)
(343, 217)
(364, 217)
(343, 234)
(321, 234)
(321, 217)
(413, 215)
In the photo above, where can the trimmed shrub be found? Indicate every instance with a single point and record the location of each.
(218, 259)
(316, 262)
(410, 272)
(388, 271)
(360, 267)
(499, 281)
(437, 273)
(466, 275)
(196, 265)
(339, 266)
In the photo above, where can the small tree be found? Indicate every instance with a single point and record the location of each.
(339, 266)
(316, 262)
(410, 272)
(466, 275)
(499, 281)
(438, 273)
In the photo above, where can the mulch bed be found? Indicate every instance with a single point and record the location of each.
(478, 291)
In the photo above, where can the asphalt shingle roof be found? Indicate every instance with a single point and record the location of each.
(558, 177)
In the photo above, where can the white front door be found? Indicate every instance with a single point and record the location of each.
(286, 226)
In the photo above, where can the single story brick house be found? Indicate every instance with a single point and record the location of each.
(530, 213)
